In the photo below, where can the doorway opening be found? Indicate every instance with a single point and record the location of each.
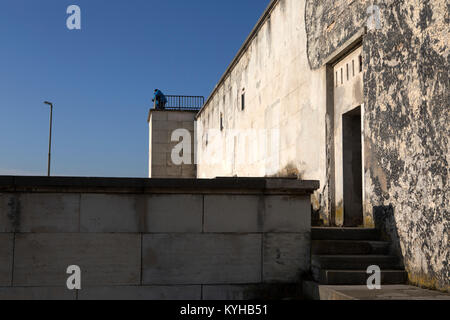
(352, 168)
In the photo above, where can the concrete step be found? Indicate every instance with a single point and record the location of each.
(349, 247)
(315, 291)
(355, 262)
(359, 277)
(344, 234)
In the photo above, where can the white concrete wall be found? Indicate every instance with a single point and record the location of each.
(348, 95)
(282, 130)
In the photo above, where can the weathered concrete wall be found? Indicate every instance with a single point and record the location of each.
(154, 239)
(406, 123)
(281, 131)
(167, 130)
(285, 70)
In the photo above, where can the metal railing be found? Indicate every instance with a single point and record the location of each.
(184, 103)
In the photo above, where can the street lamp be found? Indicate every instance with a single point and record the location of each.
(50, 136)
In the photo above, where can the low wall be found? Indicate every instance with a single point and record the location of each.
(154, 238)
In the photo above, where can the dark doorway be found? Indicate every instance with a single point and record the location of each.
(352, 150)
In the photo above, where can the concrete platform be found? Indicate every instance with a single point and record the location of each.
(314, 291)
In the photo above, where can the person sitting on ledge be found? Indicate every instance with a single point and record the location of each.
(160, 99)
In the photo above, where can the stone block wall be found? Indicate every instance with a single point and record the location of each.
(154, 239)
(162, 125)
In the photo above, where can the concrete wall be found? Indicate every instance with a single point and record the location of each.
(406, 121)
(167, 130)
(154, 239)
(286, 70)
(281, 132)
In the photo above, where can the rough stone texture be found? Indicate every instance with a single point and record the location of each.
(282, 70)
(406, 93)
(201, 259)
(238, 214)
(174, 213)
(44, 213)
(111, 213)
(286, 257)
(104, 259)
(36, 293)
(6, 258)
(141, 293)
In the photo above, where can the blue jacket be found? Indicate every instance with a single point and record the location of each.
(159, 96)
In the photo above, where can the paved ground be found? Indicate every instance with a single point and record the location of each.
(388, 292)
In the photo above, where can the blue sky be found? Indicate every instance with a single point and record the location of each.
(101, 78)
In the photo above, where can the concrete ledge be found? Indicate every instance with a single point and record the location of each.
(162, 115)
(152, 186)
(314, 291)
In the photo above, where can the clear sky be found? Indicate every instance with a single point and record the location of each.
(101, 78)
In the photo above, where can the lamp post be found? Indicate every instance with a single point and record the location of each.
(50, 136)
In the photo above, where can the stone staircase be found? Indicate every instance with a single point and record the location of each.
(341, 256)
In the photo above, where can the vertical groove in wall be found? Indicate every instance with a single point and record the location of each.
(262, 257)
(13, 258)
(142, 258)
(79, 213)
(203, 213)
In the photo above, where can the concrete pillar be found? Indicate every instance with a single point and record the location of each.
(171, 144)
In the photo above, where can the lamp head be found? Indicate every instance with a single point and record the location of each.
(49, 103)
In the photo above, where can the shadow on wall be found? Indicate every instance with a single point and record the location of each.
(318, 214)
(385, 223)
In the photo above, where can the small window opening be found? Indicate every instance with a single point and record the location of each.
(243, 101)
(342, 75)
(221, 122)
(360, 63)
(348, 73)
(337, 81)
(353, 67)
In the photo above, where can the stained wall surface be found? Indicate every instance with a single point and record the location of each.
(281, 130)
(285, 72)
(406, 120)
